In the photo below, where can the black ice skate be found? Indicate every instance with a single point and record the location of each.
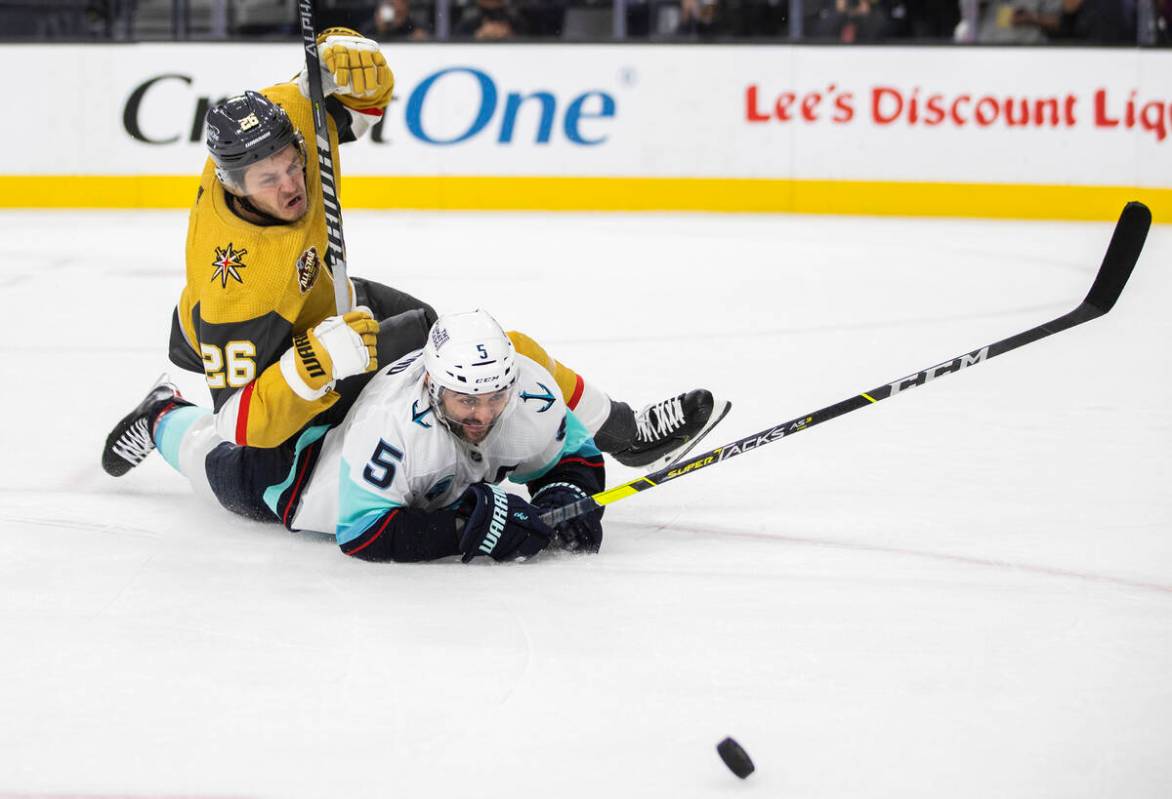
(130, 441)
(668, 430)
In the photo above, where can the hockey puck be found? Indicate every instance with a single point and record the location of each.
(736, 758)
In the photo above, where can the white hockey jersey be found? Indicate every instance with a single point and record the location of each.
(390, 451)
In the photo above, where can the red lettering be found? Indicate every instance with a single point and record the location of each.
(877, 96)
(936, 113)
(810, 105)
(1040, 109)
(751, 112)
(844, 108)
(781, 107)
(913, 107)
(1101, 118)
(954, 112)
(1154, 122)
(1023, 105)
(987, 111)
(1068, 110)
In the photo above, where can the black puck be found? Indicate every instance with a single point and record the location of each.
(736, 758)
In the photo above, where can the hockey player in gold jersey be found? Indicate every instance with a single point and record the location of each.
(256, 277)
(257, 316)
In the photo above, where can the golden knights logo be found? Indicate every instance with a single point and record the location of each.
(226, 263)
(308, 268)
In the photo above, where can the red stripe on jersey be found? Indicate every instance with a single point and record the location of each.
(583, 461)
(377, 533)
(296, 487)
(242, 414)
(370, 112)
(579, 387)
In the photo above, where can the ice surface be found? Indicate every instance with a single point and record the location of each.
(963, 592)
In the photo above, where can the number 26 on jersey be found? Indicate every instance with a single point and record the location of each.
(233, 366)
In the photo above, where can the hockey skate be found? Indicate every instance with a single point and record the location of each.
(130, 441)
(668, 430)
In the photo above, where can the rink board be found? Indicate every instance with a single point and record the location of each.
(990, 132)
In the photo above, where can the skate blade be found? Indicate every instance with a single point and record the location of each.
(719, 411)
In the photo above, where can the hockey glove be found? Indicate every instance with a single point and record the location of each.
(500, 525)
(354, 69)
(339, 347)
(581, 533)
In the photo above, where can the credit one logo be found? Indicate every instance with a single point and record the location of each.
(484, 110)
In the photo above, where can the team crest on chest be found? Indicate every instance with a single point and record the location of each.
(308, 268)
(228, 263)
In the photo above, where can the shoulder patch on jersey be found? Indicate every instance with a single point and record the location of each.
(418, 416)
(308, 267)
(227, 263)
(548, 397)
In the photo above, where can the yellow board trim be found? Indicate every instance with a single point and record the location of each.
(731, 195)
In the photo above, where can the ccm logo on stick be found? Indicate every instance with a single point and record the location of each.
(928, 375)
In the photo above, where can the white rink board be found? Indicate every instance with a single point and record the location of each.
(687, 111)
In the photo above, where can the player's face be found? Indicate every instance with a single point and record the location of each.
(473, 415)
(276, 185)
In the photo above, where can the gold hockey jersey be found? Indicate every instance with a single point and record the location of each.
(249, 289)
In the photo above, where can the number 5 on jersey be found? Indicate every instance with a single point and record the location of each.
(233, 366)
(381, 469)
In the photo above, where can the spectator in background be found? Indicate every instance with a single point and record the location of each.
(1098, 21)
(701, 19)
(489, 20)
(1019, 21)
(852, 20)
(392, 20)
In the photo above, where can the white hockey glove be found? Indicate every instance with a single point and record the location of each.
(339, 347)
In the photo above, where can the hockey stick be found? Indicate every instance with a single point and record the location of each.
(1122, 254)
(336, 252)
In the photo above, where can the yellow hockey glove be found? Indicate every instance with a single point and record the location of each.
(339, 347)
(357, 68)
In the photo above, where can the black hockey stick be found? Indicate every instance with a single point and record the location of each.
(336, 252)
(1122, 254)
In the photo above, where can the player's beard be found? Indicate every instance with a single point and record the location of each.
(473, 432)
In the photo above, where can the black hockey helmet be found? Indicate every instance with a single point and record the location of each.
(245, 129)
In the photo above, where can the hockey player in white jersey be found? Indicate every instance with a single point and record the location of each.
(432, 435)
(411, 472)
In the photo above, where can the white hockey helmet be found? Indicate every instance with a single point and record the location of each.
(468, 353)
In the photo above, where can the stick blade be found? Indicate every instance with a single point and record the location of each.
(1122, 253)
